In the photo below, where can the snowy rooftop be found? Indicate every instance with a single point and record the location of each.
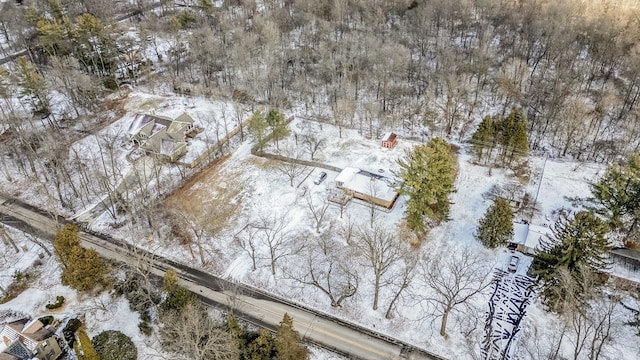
(351, 178)
(143, 119)
(529, 235)
(389, 136)
(536, 233)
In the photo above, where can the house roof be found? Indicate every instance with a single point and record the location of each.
(353, 179)
(529, 235)
(626, 253)
(536, 233)
(32, 326)
(19, 350)
(6, 356)
(143, 119)
(520, 232)
(16, 325)
(389, 136)
(347, 174)
(185, 118)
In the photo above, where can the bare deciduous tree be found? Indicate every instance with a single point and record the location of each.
(453, 280)
(6, 239)
(381, 249)
(192, 334)
(312, 143)
(248, 241)
(291, 168)
(269, 233)
(401, 278)
(318, 207)
(328, 268)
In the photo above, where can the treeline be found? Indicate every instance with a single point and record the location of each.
(419, 65)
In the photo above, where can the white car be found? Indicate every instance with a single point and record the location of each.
(321, 177)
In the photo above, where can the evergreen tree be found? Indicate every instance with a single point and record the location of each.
(238, 334)
(258, 129)
(277, 125)
(82, 269)
(616, 196)
(428, 176)
(513, 136)
(114, 345)
(34, 87)
(262, 348)
(483, 138)
(496, 227)
(83, 347)
(178, 297)
(577, 245)
(287, 341)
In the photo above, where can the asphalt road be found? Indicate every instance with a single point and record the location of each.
(250, 304)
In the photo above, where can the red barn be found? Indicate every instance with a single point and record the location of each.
(389, 140)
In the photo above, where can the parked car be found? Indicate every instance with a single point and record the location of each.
(513, 264)
(321, 177)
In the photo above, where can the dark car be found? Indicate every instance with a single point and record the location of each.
(321, 177)
(513, 264)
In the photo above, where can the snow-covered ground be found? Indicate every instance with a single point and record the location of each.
(265, 191)
(100, 313)
(251, 188)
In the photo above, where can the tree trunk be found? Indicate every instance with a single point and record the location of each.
(376, 292)
(443, 325)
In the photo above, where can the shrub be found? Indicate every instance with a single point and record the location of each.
(46, 320)
(69, 331)
(145, 328)
(84, 348)
(110, 82)
(57, 304)
(114, 345)
(21, 282)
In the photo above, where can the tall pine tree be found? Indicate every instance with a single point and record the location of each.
(577, 245)
(82, 269)
(428, 176)
(513, 136)
(258, 129)
(287, 341)
(496, 227)
(277, 125)
(482, 139)
(616, 196)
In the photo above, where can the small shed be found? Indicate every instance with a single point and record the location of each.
(389, 140)
(526, 237)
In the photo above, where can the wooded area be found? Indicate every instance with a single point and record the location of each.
(421, 65)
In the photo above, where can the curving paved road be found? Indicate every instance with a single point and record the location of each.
(248, 303)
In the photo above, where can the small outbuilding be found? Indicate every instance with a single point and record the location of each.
(526, 237)
(389, 140)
